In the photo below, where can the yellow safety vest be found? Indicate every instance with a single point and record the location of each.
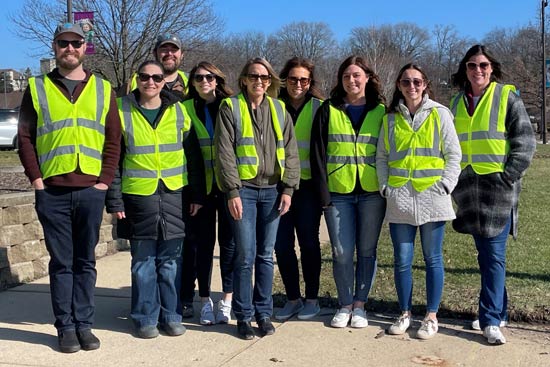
(181, 74)
(482, 136)
(349, 155)
(153, 154)
(247, 156)
(205, 141)
(414, 156)
(70, 135)
(302, 129)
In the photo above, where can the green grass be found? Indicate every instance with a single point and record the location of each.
(528, 269)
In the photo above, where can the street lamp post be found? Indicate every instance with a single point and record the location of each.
(544, 4)
(5, 91)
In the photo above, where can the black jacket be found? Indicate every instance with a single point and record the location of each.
(160, 215)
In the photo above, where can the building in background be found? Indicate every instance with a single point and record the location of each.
(46, 65)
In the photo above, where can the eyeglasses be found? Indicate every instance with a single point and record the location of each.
(65, 43)
(200, 77)
(157, 78)
(482, 65)
(293, 80)
(405, 83)
(253, 77)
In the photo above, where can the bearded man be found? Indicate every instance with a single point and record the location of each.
(168, 51)
(69, 144)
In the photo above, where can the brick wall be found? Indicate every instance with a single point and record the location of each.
(23, 254)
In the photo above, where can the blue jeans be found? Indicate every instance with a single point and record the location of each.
(71, 218)
(155, 296)
(254, 238)
(431, 237)
(305, 217)
(354, 222)
(493, 298)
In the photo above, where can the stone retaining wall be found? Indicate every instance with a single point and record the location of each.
(23, 254)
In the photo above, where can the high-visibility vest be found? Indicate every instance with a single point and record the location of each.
(414, 156)
(349, 155)
(153, 154)
(482, 136)
(206, 142)
(302, 129)
(180, 73)
(247, 156)
(70, 135)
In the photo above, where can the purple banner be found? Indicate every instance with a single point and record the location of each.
(86, 21)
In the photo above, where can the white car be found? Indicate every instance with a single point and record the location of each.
(8, 128)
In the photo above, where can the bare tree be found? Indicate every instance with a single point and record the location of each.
(125, 30)
(313, 40)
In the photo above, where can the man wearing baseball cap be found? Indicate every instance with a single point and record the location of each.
(168, 51)
(69, 145)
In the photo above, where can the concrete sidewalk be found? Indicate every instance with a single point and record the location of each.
(28, 338)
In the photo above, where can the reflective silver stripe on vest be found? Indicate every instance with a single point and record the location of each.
(46, 129)
(303, 144)
(91, 124)
(174, 171)
(205, 142)
(339, 159)
(366, 160)
(280, 114)
(486, 158)
(68, 149)
(90, 152)
(305, 164)
(419, 173)
(315, 104)
(341, 138)
(367, 140)
(454, 105)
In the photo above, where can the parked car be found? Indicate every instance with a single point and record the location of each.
(8, 128)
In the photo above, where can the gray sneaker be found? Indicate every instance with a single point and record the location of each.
(290, 309)
(476, 326)
(310, 310)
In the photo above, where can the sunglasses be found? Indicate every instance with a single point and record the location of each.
(65, 43)
(157, 78)
(293, 80)
(482, 65)
(253, 77)
(200, 77)
(405, 83)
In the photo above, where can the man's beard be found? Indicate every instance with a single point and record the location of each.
(172, 66)
(71, 64)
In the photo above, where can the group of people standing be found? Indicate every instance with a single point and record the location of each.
(184, 158)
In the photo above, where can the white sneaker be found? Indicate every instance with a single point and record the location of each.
(428, 329)
(207, 313)
(341, 318)
(401, 325)
(494, 335)
(359, 318)
(224, 312)
(476, 326)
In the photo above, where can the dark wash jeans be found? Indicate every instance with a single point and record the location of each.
(255, 236)
(304, 217)
(71, 219)
(198, 248)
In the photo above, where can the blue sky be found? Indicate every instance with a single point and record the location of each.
(471, 18)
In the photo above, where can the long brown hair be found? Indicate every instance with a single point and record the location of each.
(299, 62)
(373, 96)
(222, 89)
